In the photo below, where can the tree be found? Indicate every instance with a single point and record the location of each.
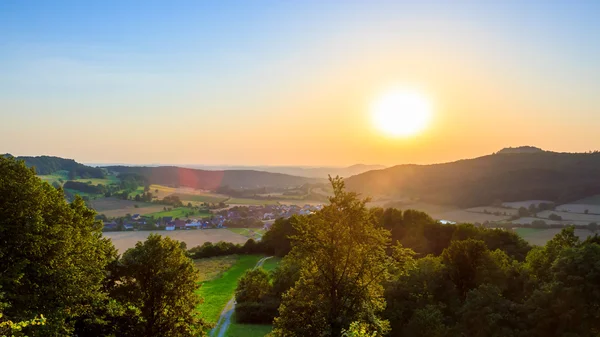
(52, 257)
(523, 212)
(555, 217)
(157, 278)
(593, 227)
(254, 297)
(343, 261)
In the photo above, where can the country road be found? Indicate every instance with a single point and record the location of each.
(225, 318)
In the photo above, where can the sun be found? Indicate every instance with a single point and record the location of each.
(401, 112)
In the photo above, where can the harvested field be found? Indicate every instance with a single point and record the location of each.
(463, 216)
(524, 203)
(113, 207)
(541, 236)
(418, 206)
(593, 200)
(530, 220)
(193, 238)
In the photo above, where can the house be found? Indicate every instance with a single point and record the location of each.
(167, 219)
(193, 225)
(110, 226)
(135, 217)
(179, 224)
(170, 228)
(128, 227)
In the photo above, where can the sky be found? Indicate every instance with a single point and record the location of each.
(291, 82)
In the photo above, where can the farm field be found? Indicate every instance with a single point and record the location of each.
(524, 203)
(578, 217)
(246, 202)
(212, 267)
(579, 208)
(463, 216)
(593, 200)
(250, 233)
(539, 237)
(180, 212)
(110, 179)
(418, 206)
(530, 220)
(113, 207)
(192, 238)
(492, 209)
(218, 291)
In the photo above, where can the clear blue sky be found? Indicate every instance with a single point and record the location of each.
(248, 82)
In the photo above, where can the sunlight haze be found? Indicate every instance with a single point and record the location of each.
(291, 83)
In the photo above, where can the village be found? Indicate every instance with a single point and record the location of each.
(233, 217)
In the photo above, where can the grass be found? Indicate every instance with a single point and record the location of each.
(246, 201)
(217, 292)
(247, 330)
(525, 232)
(200, 198)
(250, 233)
(271, 263)
(212, 267)
(180, 212)
(110, 179)
(51, 178)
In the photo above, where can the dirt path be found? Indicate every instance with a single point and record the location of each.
(225, 319)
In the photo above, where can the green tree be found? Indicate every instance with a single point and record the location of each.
(343, 261)
(52, 254)
(157, 278)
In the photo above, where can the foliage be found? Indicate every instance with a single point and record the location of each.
(14, 329)
(343, 261)
(52, 255)
(277, 240)
(49, 165)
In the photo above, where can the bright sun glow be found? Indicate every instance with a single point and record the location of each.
(401, 112)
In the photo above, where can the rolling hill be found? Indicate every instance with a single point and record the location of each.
(49, 165)
(505, 176)
(211, 180)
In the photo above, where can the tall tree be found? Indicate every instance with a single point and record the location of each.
(160, 280)
(343, 261)
(52, 254)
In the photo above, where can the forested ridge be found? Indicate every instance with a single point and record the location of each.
(49, 165)
(347, 270)
(542, 175)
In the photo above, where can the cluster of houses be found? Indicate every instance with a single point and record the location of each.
(265, 214)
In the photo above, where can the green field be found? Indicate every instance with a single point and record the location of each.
(250, 233)
(180, 212)
(201, 198)
(526, 232)
(253, 330)
(246, 201)
(51, 178)
(247, 330)
(212, 267)
(217, 292)
(110, 179)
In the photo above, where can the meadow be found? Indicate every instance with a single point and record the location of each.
(218, 291)
(113, 207)
(192, 238)
(179, 212)
(250, 233)
(465, 216)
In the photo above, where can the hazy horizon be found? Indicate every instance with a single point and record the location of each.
(286, 84)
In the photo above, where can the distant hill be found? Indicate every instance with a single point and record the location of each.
(211, 180)
(560, 177)
(310, 172)
(49, 165)
(520, 149)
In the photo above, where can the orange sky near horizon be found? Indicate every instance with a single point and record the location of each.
(299, 95)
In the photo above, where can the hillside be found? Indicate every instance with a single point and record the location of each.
(211, 180)
(49, 165)
(308, 172)
(559, 177)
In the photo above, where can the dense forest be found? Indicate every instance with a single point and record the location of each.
(557, 177)
(213, 180)
(50, 165)
(347, 270)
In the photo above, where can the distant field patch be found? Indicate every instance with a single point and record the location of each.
(201, 198)
(180, 212)
(525, 203)
(579, 208)
(593, 200)
(463, 216)
(492, 209)
(250, 233)
(542, 236)
(113, 207)
(217, 292)
(568, 216)
(246, 201)
(95, 181)
(192, 238)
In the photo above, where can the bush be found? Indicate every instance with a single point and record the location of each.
(256, 312)
(555, 217)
